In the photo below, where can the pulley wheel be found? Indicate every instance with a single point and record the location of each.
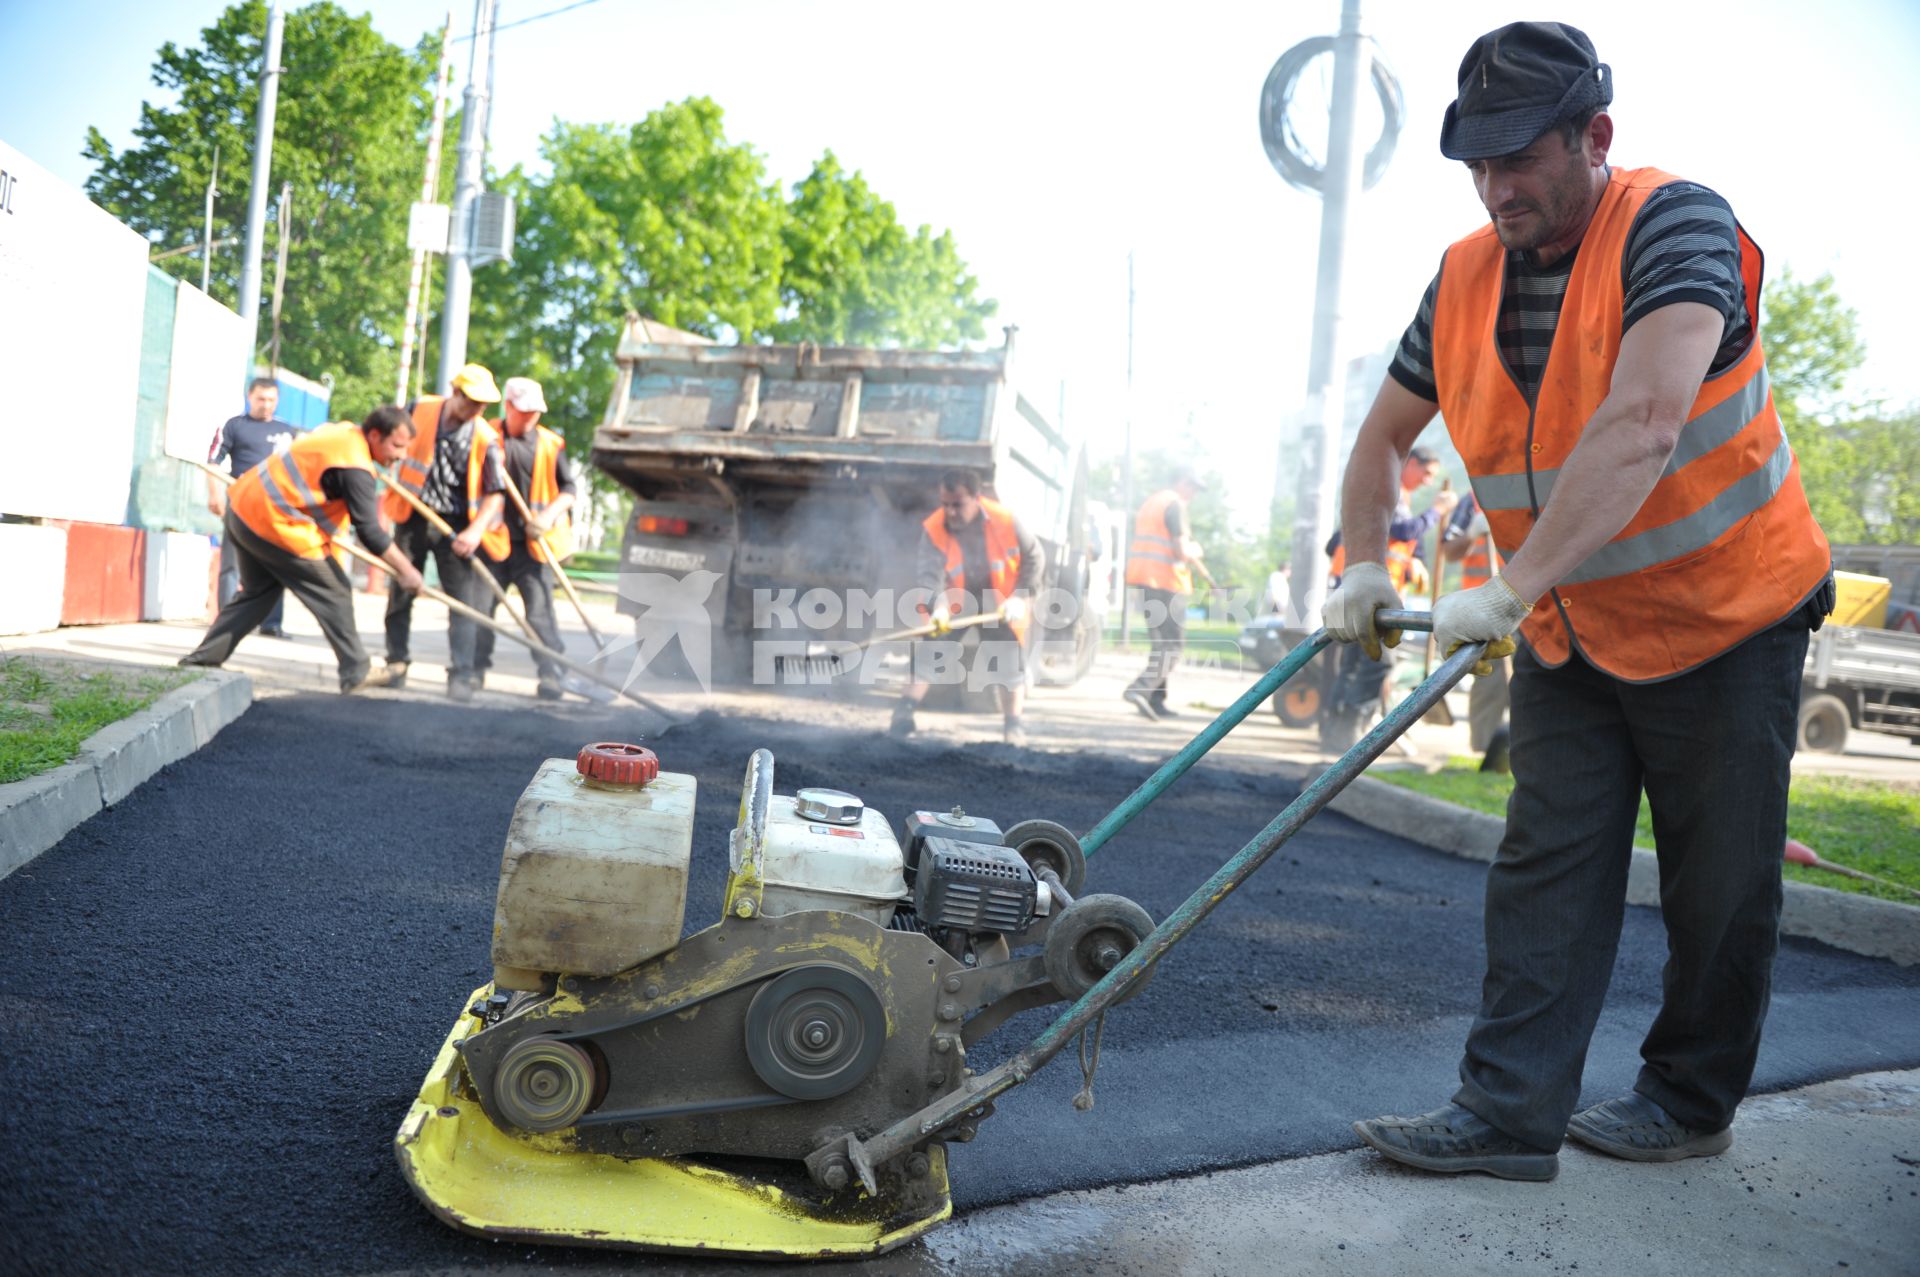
(544, 1084)
(1042, 842)
(1090, 938)
(815, 1032)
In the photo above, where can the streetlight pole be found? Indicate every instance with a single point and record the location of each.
(262, 169)
(466, 189)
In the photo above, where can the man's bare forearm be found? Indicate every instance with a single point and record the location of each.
(1603, 484)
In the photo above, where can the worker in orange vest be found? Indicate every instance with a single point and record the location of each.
(1469, 543)
(282, 517)
(455, 468)
(1363, 675)
(536, 460)
(1160, 562)
(975, 556)
(1595, 351)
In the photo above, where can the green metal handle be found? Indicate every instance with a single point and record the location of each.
(1210, 735)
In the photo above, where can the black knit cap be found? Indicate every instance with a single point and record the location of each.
(1518, 82)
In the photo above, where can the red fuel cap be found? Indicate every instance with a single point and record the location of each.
(613, 763)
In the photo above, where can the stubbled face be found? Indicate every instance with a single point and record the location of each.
(261, 401)
(960, 507)
(519, 422)
(1417, 474)
(394, 446)
(1538, 196)
(462, 409)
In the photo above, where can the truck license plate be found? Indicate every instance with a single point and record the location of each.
(657, 556)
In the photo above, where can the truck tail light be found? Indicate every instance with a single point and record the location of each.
(660, 524)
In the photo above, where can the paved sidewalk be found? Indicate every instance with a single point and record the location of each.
(1057, 718)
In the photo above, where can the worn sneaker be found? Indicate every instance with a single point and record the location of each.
(1452, 1139)
(549, 691)
(354, 686)
(1634, 1127)
(1014, 733)
(1142, 702)
(460, 690)
(395, 675)
(903, 723)
(1160, 707)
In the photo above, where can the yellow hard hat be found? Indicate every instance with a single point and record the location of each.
(476, 383)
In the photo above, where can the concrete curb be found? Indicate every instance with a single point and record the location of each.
(1859, 924)
(37, 812)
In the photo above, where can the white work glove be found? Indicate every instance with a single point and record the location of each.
(1348, 613)
(1477, 526)
(1485, 614)
(942, 618)
(1015, 609)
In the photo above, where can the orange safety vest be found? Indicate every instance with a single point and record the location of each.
(1154, 560)
(1476, 565)
(410, 472)
(1003, 556)
(1402, 556)
(543, 489)
(281, 498)
(1723, 547)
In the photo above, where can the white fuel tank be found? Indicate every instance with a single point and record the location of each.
(828, 850)
(594, 875)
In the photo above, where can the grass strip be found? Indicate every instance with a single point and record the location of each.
(49, 708)
(1867, 825)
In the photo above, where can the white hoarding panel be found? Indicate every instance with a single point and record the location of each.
(204, 384)
(73, 281)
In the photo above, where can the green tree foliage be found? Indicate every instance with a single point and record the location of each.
(856, 277)
(666, 218)
(670, 219)
(349, 135)
(1859, 464)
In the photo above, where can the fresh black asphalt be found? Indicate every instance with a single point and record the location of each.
(218, 998)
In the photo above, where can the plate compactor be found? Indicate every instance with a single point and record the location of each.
(784, 1083)
(604, 1087)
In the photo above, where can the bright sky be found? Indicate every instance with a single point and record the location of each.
(1054, 138)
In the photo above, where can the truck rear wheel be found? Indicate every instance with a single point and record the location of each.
(1823, 724)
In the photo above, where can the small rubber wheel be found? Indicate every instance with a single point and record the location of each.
(1042, 842)
(544, 1084)
(1823, 724)
(1297, 706)
(815, 1032)
(1090, 938)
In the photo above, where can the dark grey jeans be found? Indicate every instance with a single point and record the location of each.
(1711, 748)
(418, 542)
(1166, 616)
(267, 573)
(535, 583)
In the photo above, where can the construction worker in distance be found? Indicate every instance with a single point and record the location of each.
(536, 460)
(456, 469)
(975, 556)
(1160, 564)
(1663, 572)
(282, 517)
(243, 443)
(1362, 675)
(1468, 542)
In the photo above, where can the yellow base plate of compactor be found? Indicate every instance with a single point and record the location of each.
(487, 1181)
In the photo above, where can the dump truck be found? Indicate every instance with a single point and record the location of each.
(1863, 666)
(798, 475)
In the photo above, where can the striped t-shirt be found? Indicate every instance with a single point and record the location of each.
(1682, 247)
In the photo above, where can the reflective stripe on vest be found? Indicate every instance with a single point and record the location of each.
(1154, 560)
(1003, 557)
(410, 472)
(1721, 548)
(281, 499)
